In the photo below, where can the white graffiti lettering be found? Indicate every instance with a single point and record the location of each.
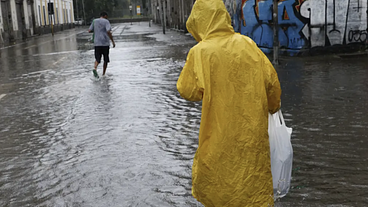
(330, 21)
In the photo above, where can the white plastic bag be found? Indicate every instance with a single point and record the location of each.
(281, 154)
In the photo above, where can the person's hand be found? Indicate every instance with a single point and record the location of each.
(113, 44)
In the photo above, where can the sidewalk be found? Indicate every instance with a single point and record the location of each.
(48, 37)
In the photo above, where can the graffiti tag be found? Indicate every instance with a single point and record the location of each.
(358, 36)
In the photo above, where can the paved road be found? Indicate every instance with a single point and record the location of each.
(129, 139)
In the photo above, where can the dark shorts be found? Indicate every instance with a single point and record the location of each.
(102, 50)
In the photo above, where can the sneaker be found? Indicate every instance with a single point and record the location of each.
(95, 74)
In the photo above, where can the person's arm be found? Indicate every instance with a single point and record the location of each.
(272, 84)
(109, 33)
(190, 83)
(91, 28)
(111, 38)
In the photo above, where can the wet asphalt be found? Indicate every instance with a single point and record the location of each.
(128, 139)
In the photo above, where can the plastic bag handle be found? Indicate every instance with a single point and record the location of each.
(281, 117)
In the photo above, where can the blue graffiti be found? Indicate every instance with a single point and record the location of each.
(236, 16)
(257, 23)
(255, 27)
(290, 28)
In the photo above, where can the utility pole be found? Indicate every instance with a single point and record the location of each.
(275, 33)
(52, 26)
(84, 14)
(76, 4)
(131, 13)
(180, 14)
(158, 13)
(161, 14)
(183, 14)
(164, 12)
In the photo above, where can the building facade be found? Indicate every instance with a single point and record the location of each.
(63, 17)
(20, 19)
(15, 20)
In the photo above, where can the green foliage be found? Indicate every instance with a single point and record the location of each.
(93, 8)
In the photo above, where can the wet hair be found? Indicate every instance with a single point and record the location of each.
(102, 14)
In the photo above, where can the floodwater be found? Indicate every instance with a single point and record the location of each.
(325, 100)
(129, 139)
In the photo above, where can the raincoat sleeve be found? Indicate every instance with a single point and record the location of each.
(190, 83)
(273, 88)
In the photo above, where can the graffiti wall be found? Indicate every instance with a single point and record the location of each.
(302, 23)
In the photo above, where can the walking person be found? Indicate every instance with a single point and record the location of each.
(102, 35)
(238, 87)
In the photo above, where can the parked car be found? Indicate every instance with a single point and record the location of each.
(79, 22)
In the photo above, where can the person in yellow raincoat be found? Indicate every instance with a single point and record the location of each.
(238, 87)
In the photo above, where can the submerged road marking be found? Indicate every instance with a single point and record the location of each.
(56, 53)
(30, 47)
(61, 59)
(2, 96)
(114, 28)
(123, 29)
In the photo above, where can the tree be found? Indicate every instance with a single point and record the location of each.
(93, 8)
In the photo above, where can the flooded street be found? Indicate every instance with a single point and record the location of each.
(129, 139)
(325, 101)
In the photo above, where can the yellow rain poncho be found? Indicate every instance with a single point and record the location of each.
(238, 86)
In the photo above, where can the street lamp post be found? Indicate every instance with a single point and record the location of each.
(131, 13)
(162, 15)
(158, 14)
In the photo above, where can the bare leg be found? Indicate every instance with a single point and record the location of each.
(104, 68)
(95, 70)
(96, 64)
